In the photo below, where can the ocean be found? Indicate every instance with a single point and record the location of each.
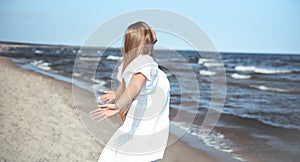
(260, 120)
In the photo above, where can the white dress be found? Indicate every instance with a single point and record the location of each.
(143, 136)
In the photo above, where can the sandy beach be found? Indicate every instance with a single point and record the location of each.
(39, 123)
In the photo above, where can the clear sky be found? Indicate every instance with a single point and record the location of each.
(270, 26)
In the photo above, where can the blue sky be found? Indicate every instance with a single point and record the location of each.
(269, 26)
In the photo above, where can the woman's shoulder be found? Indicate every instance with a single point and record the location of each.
(144, 59)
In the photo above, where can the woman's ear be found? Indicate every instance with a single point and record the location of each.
(153, 36)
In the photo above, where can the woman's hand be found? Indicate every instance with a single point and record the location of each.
(104, 111)
(110, 95)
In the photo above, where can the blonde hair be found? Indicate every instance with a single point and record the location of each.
(138, 40)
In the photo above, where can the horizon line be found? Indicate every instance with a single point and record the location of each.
(68, 45)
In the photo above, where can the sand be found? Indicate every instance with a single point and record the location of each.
(39, 122)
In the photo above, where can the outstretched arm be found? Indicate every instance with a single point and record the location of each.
(131, 92)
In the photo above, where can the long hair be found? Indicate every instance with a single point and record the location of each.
(138, 40)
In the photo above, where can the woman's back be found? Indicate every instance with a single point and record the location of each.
(144, 133)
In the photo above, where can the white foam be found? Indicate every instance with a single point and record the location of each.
(98, 85)
(38, 51)
(203, 60)
(169, 74)
(265, 88)
(88, 58)
(41, 65)
(77, 74)
(99, 88)
(180, 125)
(261, 70)
(213, 64)
(111, 57)
(239, 76)
(213, 139)
(200, 61)
(98, 81)
(206, 73)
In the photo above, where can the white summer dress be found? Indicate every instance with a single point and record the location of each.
(144, 134)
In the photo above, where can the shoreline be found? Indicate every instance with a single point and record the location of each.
(57, 97)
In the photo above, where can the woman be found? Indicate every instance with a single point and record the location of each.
(142, 101)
